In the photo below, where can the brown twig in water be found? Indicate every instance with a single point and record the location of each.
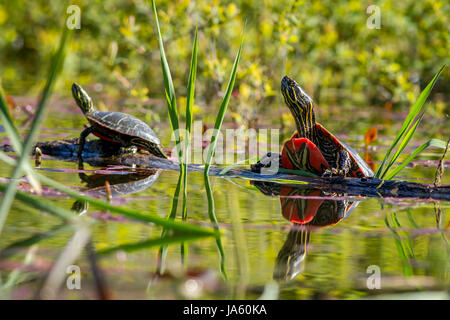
(108, 191)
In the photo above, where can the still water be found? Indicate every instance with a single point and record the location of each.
(302, 245)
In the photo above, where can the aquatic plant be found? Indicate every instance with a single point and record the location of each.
(405, 134)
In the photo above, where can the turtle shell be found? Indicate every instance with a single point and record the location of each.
(121, 127)
(328, 143)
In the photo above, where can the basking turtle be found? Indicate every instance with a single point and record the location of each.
(116, 127)
(313, 148)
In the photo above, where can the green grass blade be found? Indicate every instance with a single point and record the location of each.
(176, 196)
(57, 63)
(212, 146)
(407, 268)
(44, 205)
(414, 111)
(8, 123)
(130, 213)
(406, 242)
(403, 144)
(222, 110)
(212, 217)
(13, 136)
(191, 85)
(431, 143)
(189, 120)
(15, 247)
(411, 219)
(173, 115)
(171, 217)
(18, 275)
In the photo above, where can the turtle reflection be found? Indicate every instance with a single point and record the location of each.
(306, 209)
(118, 185)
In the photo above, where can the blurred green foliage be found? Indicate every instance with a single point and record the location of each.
(325, 45)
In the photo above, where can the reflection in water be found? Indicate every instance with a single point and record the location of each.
(306, 209)
(120, 184)
(114, 185)
(290, 259)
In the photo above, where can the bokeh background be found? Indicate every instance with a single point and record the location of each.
(326, 45)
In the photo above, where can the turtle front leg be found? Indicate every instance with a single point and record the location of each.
(343, 163)
(82, 141)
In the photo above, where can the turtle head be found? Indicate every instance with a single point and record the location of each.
(300, 104)
(82, 98)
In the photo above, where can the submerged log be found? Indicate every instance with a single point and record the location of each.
(100, 153)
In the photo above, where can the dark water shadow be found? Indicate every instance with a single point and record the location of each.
(114, 185)
(308, 210)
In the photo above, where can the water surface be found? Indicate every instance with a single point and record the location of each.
(323, 252)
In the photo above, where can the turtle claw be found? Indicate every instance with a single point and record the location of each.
(333, 172)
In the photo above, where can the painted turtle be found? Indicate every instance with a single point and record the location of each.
(116, 127)
(313, 148)
(120, 184)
